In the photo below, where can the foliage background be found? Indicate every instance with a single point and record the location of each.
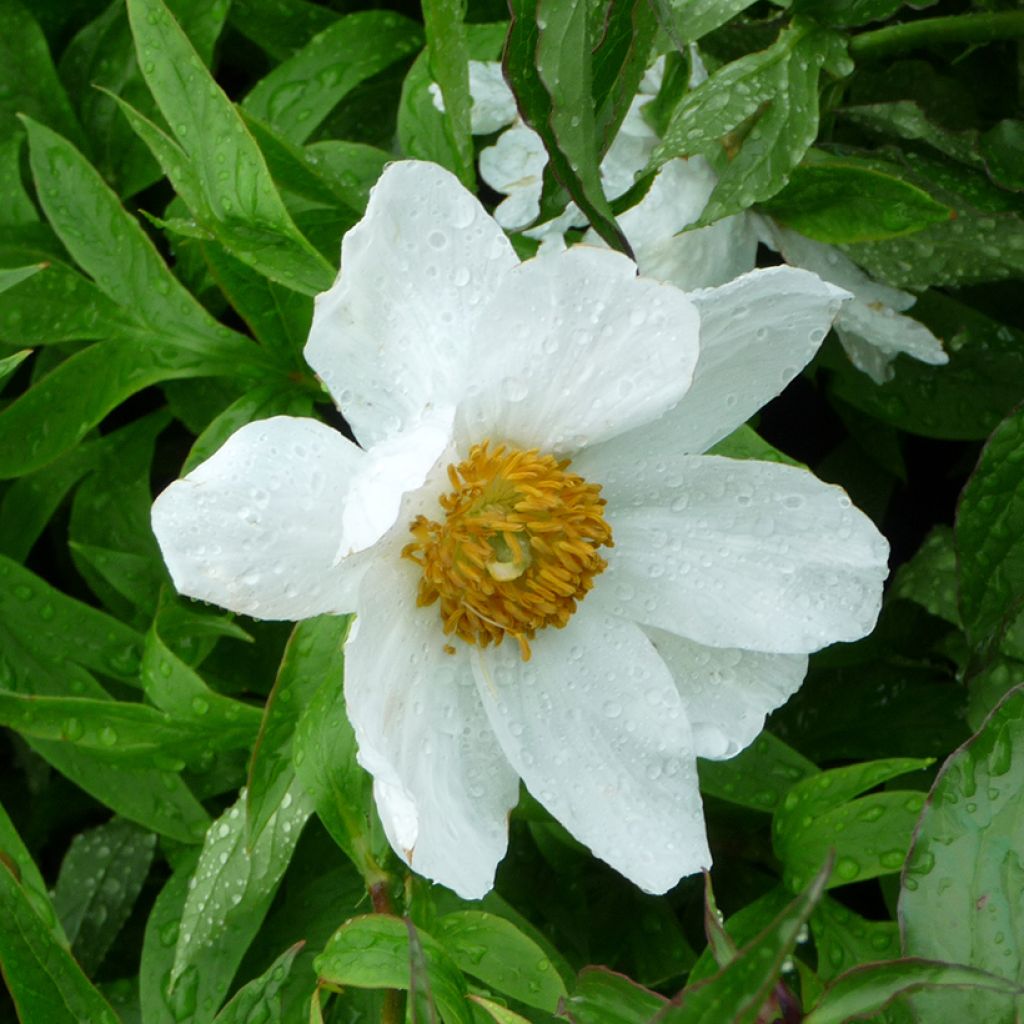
(160, 244)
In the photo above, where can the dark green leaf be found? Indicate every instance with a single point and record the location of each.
(42, 977)
(100, 879)
(547, 63)
(844, 939)
(1002, 148)
(964, 883)
(280, 28)
(847, 13)
(259, 1001)
(603, 997)
(990, 535)
(300, 92)
(686, 21)
(18, 861)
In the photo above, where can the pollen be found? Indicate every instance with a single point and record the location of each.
(517, 549)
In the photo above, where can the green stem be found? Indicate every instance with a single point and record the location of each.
(957, 28)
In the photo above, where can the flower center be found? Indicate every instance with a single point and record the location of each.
(517, 548)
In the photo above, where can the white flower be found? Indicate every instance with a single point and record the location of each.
(470, 379)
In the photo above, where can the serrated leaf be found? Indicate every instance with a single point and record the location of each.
(240, 201)
(839, 201)
(494, 951)
(868, 989)
(990, 536)
(44, 981)
(548, 64)
(100, 878)
(301, 91)
(758, 777)
(373, 952)
(229, 895)
(961, 900)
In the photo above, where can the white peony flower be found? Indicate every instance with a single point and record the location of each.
(551, 582)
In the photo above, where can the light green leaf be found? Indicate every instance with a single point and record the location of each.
(239, 200)
(301, 91)
(494, 951)
(229, 895)
(373, 952)
(963, 889)
(868, 989)
(604, 997)
(8, 364)
(44, 981)
(100, 879)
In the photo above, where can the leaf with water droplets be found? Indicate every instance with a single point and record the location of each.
(229, 895)
(686, 21)
(497, 953)
(44, 981)
(374, 952)
(301, 91)
(844, 939)
(961, 899)
(259, 1001)
(280, 28)
(100, 879)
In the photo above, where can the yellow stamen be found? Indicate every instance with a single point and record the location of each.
(517, 549)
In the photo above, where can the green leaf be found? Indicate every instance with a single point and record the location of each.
(58, 411)
(964, 400)
(839, 201)
(870, 835)
(498, 1013)
(28, 79)
(497, 953)
(871, 988)
(603, 997)
(311, 657)
(44, 981)
(739, 991)
(448, 61)
(58, 305)
(844, 939)
(280, 28)
(990, 535)
(686, 21)
(112, 247)
(300, 92)
(374, 952)
(100, 879)
(758, 777)
(10, 363)
(745, 443)
(18, 861)
(275, 399)
(1002, 148)
(929, 578)
(548, 64)
(259, 1001)
(763, 108)
(324, 750)
(963, 884)
(229, 895)
(240, 203)
(846, 13)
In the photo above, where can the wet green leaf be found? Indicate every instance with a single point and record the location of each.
(259, 1001)
(604, 997)
(963, 889)
(100, 879)
(844, 939)
(283, 27)
(41, 975)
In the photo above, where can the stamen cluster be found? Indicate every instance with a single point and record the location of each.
(517, 548)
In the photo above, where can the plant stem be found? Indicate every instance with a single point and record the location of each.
(957, 28)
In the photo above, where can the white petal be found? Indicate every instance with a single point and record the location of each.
(594, 725)
(514, 166)
(757, 333)
(735, 553)
(630, 150)
(494, 106)
(443, 785)
(580, 350)
(256, 527)
(391, 469)
(727, 692)
(890, 332)
(390, 338)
